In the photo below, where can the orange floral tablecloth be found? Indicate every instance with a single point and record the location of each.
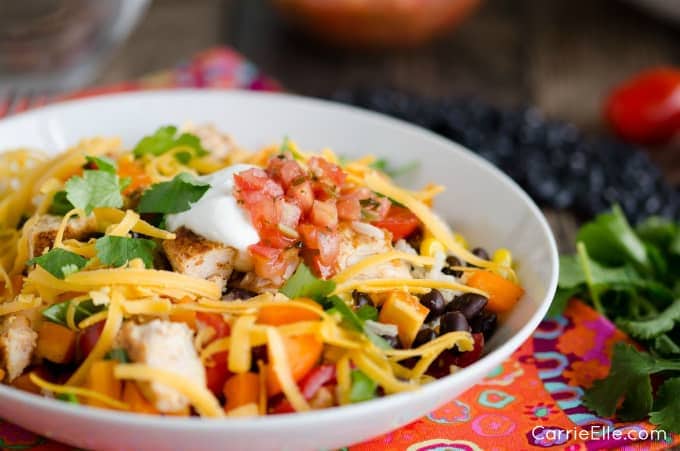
(533, 400)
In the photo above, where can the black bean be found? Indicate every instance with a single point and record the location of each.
(435, 302)
(361, 299)
(415, 239)
(452, 261)
(452, 322)
(425, 335)
(485, 323)
(469, 304)
(481, 253)
(234, 294)
(258, 353)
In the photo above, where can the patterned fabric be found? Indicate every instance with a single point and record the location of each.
(531, 401)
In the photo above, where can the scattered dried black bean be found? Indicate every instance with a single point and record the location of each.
(435, 302)
(425, 335)
(485, 323)
(361, 299)
(452, 322)
(552, 160)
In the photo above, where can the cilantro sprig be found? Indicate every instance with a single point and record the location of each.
(96, 188)
(116, 251)
(174, 196)
(630, 275)
(165, 139)
(59, 262)
(83, 310)
(303, 283)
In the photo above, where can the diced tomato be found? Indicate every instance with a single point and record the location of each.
(324, 214)
(256, 179)
(399, 221)
(309, 386)
(468, 358)
(329, 246)
(442, 366)
(216, 321)
(88, 338)
(308, 233)
(349, 209)
(286, 171)
(273, 264)
(322, 168)
(383, 208)
(288, 213)
(217, 374)
(302, 194)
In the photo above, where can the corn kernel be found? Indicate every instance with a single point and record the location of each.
(460, 239)
(502, 257)
(430, 246)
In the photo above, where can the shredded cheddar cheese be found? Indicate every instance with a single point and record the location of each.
(78, 391)
(200, 397)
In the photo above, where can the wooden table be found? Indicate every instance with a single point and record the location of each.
(560, 55)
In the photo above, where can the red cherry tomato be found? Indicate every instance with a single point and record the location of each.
(399, 221)
(646, 109)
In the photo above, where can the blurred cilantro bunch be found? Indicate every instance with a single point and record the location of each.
(632, 276)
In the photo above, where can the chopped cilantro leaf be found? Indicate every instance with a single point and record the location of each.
(103, 163)
(68, 397)
(59, 262)
(117, 251)
(383, 165)
(57, 312)
(363, 387)
(174, 196)
(165, 139)
(367, 312)
(60, 204)
(118, 354)
(94, 189)
(304, 284)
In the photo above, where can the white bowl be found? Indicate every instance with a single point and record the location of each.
(480, 202)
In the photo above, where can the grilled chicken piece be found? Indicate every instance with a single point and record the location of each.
(195, 256)
(165, 345)
(42, 234)
(219, 144)
(17, 343)
(361, 240)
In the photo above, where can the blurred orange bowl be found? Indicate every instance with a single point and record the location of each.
(376, 23)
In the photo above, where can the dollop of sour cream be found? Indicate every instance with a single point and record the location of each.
(217, 215)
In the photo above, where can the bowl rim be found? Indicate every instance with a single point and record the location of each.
(47, 405)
